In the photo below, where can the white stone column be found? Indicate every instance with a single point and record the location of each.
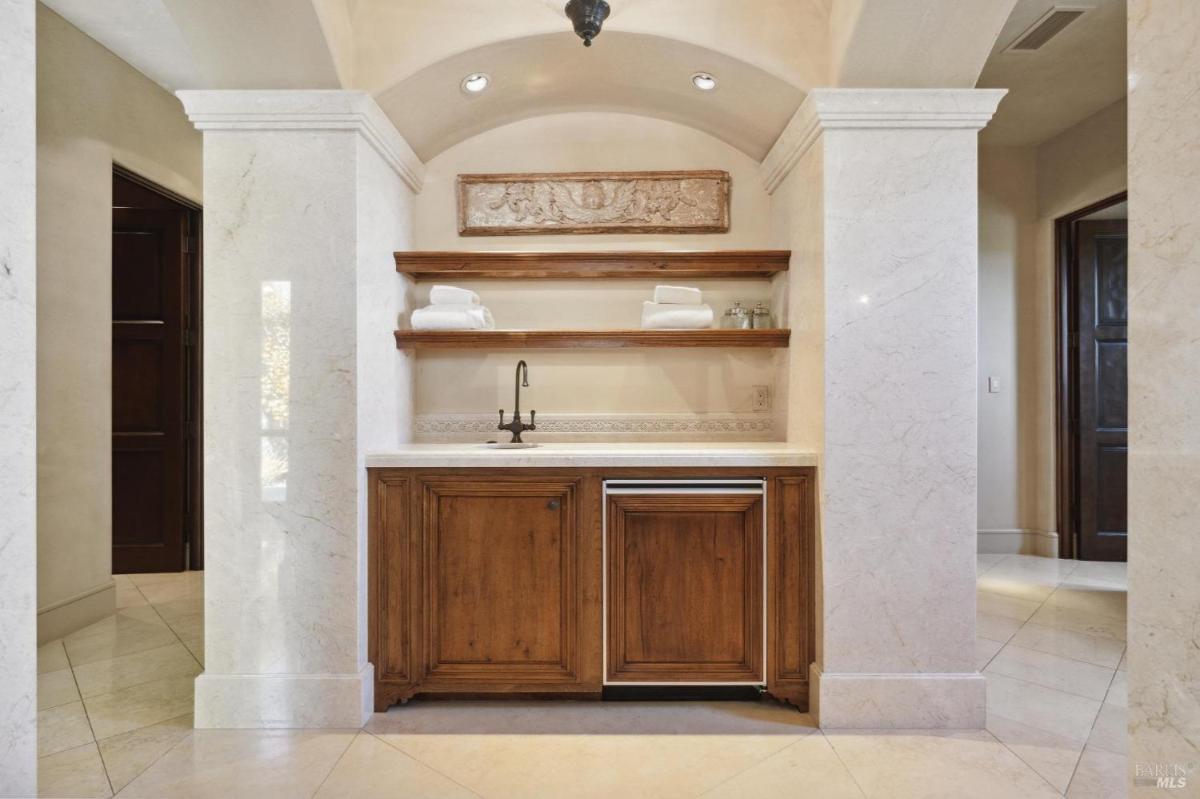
(1164, 398)
(306, 196)
(18, 393)
(883, 190)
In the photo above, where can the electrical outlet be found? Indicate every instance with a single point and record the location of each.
(761, 400)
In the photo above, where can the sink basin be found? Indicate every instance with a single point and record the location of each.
(510, 445)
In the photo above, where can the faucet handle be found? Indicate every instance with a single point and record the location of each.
(532, 421)
(501, 425)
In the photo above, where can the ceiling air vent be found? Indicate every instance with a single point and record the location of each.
(1047, 27)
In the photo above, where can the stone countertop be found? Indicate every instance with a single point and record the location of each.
(733, 454)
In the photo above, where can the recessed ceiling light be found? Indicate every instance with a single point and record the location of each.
(475, 82)
(704, 82)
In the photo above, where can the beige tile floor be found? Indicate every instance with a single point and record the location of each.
(116, 704)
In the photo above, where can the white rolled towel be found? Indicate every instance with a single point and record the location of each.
(677, 295)
(453, 317)
(660, 316)
(452, 295)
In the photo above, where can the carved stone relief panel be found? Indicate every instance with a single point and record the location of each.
(593, 202)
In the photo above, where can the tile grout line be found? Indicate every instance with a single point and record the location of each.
(181, 740)
(99, 751)
(146, 768)
(88, 717)
(1052, 654)
(1029, 765)
(1002, 743)
(333, 767)
(1051, 687)
(846, 766)
(1091, 729)
(178, 639)
(415, 759)
(1079, 758)
(755, 764)
(1057, 655)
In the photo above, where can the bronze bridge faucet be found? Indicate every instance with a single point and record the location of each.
(516, 426)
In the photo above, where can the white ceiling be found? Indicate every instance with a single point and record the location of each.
(211, 44)
(140, 31)
(394, 39)
(766, 54)
(1076, 74)
(626, 72)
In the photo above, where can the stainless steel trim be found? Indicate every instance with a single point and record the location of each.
(667, 490)
(702, 486)
(698, 482)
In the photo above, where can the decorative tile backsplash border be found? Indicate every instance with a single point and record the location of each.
(466, 427)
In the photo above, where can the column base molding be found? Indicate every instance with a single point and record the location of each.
(267, 701)
(899, 701)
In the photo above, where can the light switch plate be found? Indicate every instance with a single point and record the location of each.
(993, 385)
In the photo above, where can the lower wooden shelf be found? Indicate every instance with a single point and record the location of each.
(589, 339)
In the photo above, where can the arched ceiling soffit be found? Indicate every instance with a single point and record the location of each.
(623, 72)
(395, 39)
(885, 44)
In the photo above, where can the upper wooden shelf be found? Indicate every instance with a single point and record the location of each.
(588, 339)
(557, 265)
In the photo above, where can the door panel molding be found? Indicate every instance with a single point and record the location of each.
(156, 377)
(1067, 369)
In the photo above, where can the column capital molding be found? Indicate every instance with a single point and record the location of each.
(303, 110)
(879, 109)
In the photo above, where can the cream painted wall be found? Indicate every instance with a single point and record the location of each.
(93, 109)
(1022, 192)
(798, 222)
(650, 381)
(1007, 289)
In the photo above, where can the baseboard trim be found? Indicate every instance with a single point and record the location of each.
(1018, 541)
(282, 701)
(64, 617)
(927, 701)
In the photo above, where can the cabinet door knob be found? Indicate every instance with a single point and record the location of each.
(552, 504)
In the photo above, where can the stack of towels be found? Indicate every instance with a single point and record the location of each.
(676, 308)
(452, 308)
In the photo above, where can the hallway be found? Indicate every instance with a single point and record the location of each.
(1052, 647)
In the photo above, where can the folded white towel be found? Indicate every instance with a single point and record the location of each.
(659, 316)
(677, 295)
(453, 317)
(452, 295)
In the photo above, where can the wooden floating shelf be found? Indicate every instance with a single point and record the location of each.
(559, 265)
(588, 339)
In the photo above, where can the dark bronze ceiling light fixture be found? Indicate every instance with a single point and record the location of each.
(588, 17)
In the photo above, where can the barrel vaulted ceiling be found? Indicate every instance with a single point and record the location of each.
(412, 54)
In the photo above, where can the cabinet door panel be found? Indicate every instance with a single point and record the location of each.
(791, 627)
(685, 588)
(500, 580)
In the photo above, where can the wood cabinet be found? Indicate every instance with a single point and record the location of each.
(685, 588)
(482, 583)
(499, 580)
(490, 581)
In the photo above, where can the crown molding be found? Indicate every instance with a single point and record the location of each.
(878, 109)
(320, 110)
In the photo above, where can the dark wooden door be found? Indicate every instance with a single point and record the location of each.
(150, 380)
(1102, 412)
(501, 572)
(685, 588)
